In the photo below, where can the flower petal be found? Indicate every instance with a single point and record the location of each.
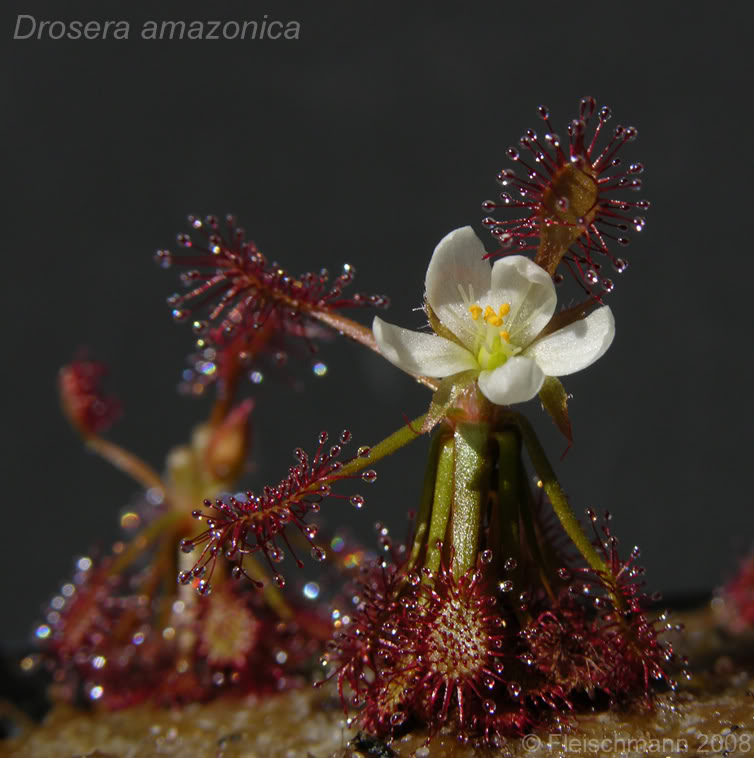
(458, 262)
(516, 381)
(419, 353)
(529, 289)
(575, 346)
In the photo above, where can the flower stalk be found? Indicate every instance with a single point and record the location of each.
(127, 462)
(557, 497)
(364, 336)
(470, 493)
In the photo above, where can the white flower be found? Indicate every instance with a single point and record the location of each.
(493, 317)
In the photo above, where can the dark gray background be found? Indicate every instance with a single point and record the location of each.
(366, 141)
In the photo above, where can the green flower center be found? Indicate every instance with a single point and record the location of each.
(490, 359)
(493, 341)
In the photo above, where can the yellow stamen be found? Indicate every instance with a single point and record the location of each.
(505, 309)
(504, 335)
(476, 312)
(491, 318)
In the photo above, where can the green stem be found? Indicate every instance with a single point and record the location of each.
(530, 531)
(505, 521)
(557, 497)
(425, 504)
(471, 490)
(559, 501)
(169, 522)
(126, 462)
(441, 503)
(389, 445)
(364, 336)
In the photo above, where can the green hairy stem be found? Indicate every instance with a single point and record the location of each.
(471, 487)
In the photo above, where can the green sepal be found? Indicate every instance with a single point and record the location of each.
(555, 401)
(446, 398)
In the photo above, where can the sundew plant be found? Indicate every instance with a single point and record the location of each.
(502, 611)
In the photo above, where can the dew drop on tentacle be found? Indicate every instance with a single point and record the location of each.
(587, 106)
(506, 176)
(187, 546)
(310, 531)
(397, 718)
(506, 199)
(204, 588)
(163, 259)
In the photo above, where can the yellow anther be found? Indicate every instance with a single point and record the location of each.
(505, 336)
(476, 312)
(505, 309)
(495, 321)
(488, 314)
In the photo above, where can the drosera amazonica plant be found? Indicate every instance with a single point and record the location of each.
(501, 612)
(122, 630)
